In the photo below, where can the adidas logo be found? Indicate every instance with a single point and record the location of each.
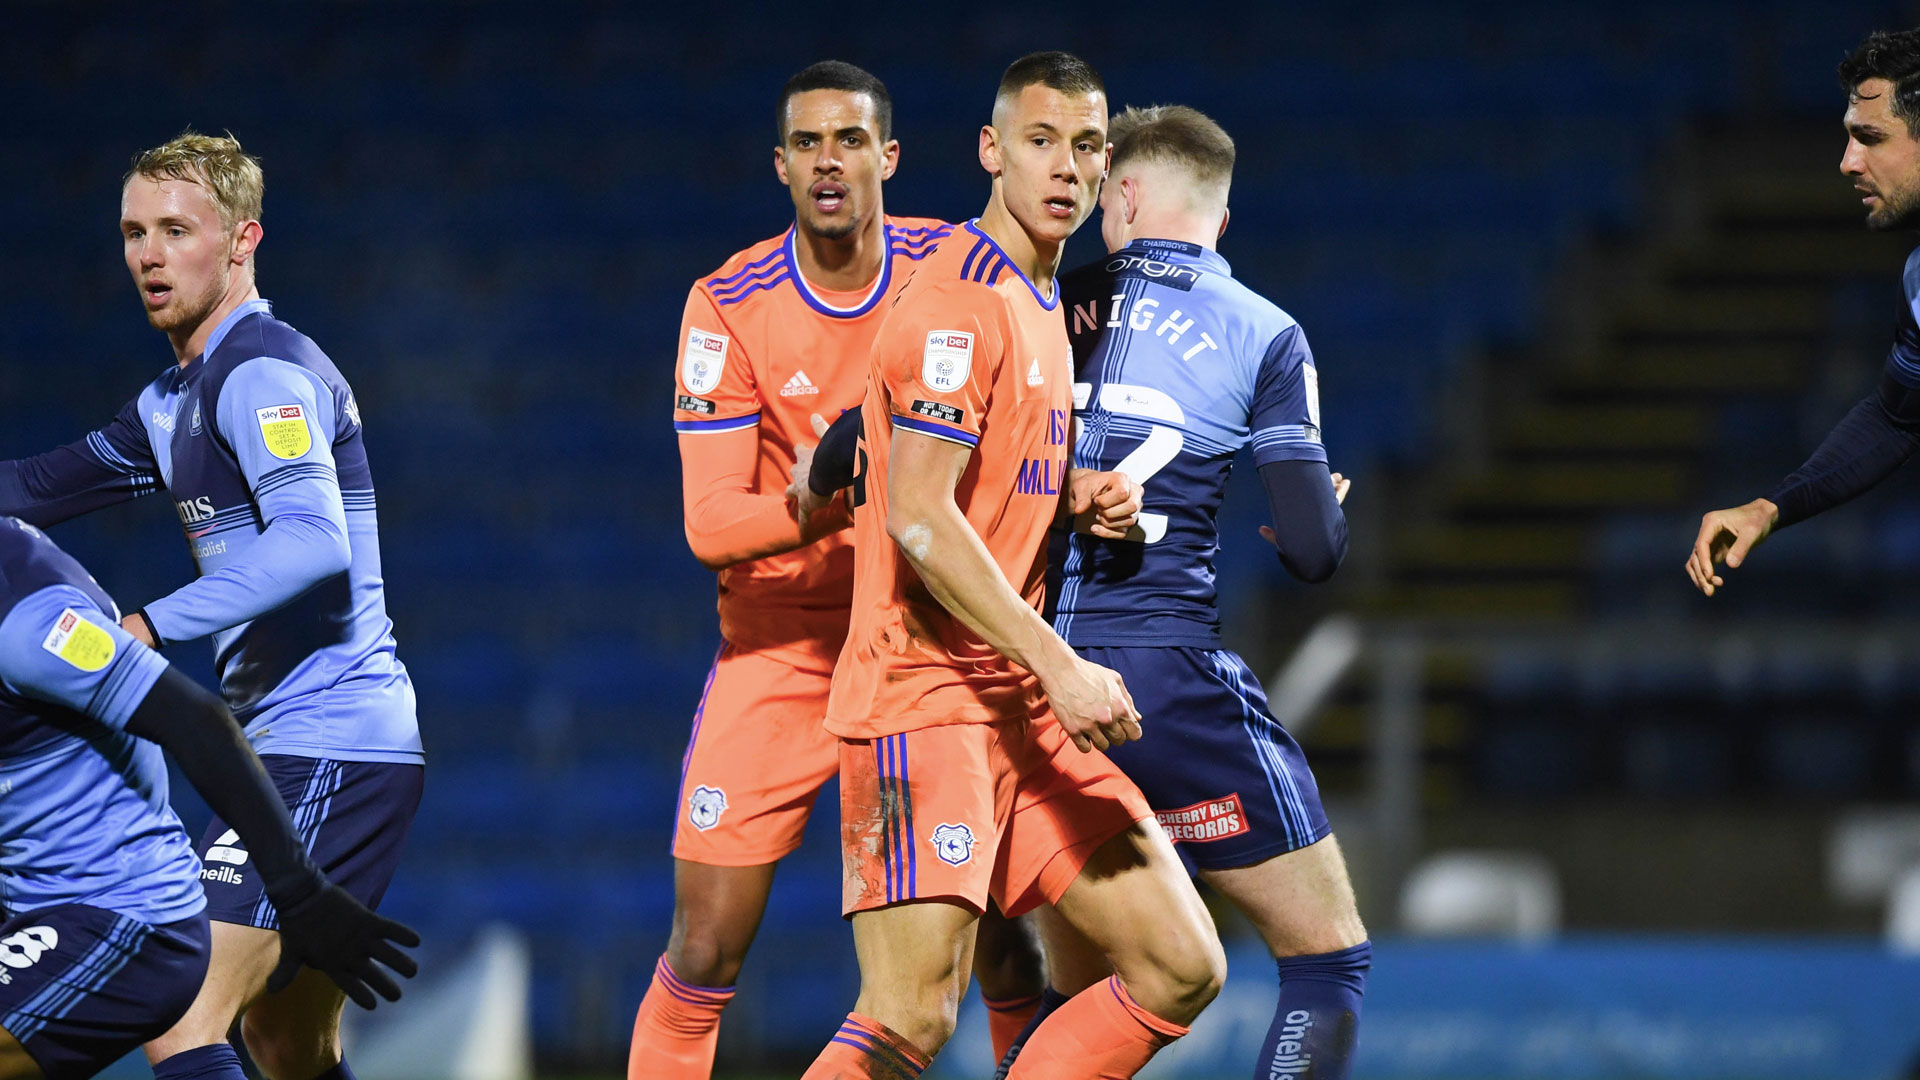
(798, 385)
(1034, 378)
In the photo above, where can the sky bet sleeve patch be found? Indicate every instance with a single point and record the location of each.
(79, 642)
(705, 358)
(284, 427)
(947, 360)
(939, 410)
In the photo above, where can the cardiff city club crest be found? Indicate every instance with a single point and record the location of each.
(704, 807)
(953, 843)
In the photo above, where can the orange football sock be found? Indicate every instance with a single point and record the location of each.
(1007, 1019)
(676, 1029)
(1101, 1033)
(866, 1049)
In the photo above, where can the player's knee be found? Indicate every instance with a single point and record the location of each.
(1198, 976)
(1178, 973)
(927, 1022)
(924, 1015)
(1007, 961)
(704, 957)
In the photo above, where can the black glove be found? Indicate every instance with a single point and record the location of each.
(334, 934)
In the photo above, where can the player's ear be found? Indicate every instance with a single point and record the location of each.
(1226, 215)
(890, 155)
(246, 241)
(780, 163)
(990, 157)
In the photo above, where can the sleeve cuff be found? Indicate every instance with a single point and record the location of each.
(936, 430)
(710, 427)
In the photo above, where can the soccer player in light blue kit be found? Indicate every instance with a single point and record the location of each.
(104, 940)
(257, 438)
(1177, 368)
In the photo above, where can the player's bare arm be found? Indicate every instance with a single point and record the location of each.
(924, 520)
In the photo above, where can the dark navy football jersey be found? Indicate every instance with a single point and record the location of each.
(1177, 368)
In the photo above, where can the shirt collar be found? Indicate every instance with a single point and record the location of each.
(1180, 250)
(251, 307)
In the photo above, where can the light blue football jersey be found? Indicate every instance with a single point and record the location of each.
(84, 817)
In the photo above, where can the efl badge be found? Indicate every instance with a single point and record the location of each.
(705, 805)
(1311, 376)
(705, 359)
(79, 642)
(953, 843)
(284, 427)
(227, 849)
(948, 360)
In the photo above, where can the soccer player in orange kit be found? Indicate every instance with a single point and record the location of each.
(775, 337)
(966, 724)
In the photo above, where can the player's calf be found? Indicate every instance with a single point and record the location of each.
(295, 1034)
(1302, 904)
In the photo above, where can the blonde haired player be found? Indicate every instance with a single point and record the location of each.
(256, 437)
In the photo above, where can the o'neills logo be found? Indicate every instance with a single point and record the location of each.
(1215, 819)
(1290, 1059)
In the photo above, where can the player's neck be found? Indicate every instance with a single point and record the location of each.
(1038, 259)
(847, 264)
(191, 343)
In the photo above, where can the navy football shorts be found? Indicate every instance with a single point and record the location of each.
(353, 817)
(1228, 783)
(81, 987)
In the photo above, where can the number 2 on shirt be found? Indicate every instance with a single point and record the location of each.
(1161, 445)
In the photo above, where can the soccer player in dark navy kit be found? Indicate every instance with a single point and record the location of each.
(1882, 159)
(1178, 367)
(257, 438)
(105, 939)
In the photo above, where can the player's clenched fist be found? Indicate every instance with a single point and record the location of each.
(1105, 504)
(1093, 705)
(1727, 536)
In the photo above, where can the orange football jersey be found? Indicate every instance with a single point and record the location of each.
(761, 350)
(970, 353)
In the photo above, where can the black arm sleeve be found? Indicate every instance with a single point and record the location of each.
(50, 488)
(833, 458)
(196, 728)
(1864, 448)
(1309, 528)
